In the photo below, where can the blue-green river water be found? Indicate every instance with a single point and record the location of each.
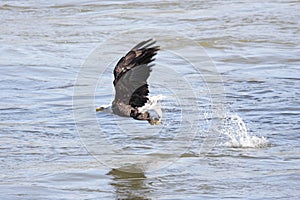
(255, 48)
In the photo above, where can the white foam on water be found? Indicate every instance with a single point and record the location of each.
(236, 130)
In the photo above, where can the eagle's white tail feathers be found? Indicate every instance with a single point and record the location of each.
(153, 104)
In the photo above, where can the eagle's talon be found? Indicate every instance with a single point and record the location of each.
(154, 121)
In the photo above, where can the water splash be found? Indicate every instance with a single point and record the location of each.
(235, 129)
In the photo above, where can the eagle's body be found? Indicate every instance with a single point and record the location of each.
(130, 81)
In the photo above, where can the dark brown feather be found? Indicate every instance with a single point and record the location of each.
(131, 74)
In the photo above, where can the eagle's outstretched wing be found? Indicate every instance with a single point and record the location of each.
(131, 74)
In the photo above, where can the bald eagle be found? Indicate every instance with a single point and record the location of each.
(130, 82)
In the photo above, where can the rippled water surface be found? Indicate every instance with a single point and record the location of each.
(255, 48)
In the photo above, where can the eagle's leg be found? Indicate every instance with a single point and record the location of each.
(144, 116)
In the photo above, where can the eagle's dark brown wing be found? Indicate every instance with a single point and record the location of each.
(131, 74)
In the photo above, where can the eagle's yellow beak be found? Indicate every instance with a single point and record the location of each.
(99, 109)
